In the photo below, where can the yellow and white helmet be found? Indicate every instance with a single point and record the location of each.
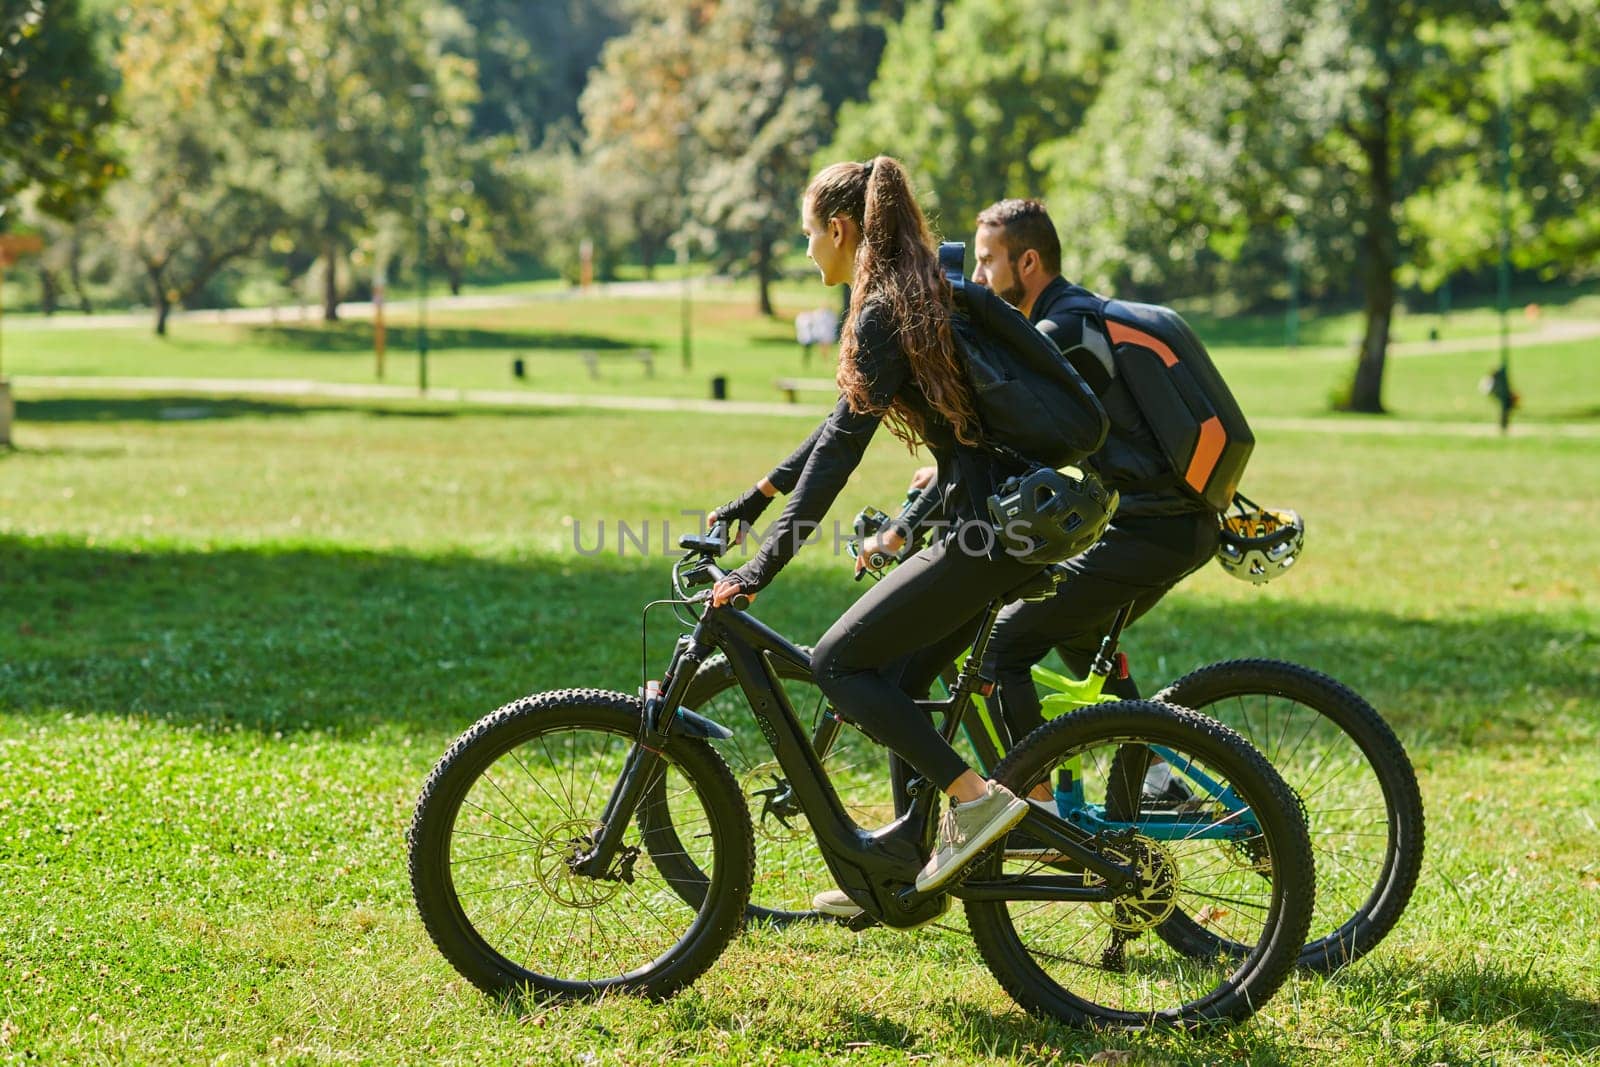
(1257, 544)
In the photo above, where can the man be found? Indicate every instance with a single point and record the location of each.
(1159, 534)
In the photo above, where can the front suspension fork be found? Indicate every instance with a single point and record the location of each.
(644, 763)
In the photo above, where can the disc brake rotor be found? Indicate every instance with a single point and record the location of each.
(1158, 886)
(559, 847)
(774, 809)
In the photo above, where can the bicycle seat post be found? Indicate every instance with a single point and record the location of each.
(967, 680)
(1105, 659)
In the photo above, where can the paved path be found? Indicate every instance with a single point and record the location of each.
(311, 315)
(285, 387)
(1554, 332)
(1551, 332)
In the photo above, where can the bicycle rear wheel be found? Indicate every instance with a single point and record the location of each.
(520, 795)
(1109, 963)
(1352, 778)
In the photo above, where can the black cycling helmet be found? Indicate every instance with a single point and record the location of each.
(1046, 516)
(1257, 544)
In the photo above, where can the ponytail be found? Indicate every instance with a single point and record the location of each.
(897, 265)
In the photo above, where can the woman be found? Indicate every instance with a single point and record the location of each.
(897, 363)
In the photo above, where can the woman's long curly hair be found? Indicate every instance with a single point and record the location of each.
(897, 265)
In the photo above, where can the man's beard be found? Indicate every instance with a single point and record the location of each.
(1013, 295)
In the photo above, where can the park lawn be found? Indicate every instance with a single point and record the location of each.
(476, 349)
(231, 647)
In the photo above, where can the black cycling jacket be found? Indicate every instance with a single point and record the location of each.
(816, 472)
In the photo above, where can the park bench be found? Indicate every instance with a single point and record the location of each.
(645, 356)
(591, 362)
(793, 387)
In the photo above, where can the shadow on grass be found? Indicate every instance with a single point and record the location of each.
(292, 637)
(188, 408)
(357, 337)
(1477, 993)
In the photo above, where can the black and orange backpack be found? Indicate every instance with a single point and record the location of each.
(1203, 435)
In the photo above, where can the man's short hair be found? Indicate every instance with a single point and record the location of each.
(1024, 224)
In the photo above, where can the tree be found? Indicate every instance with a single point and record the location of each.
(479, 203)
(534, 61)
(1269, 126)
(967, 90)
(56, 107)
(638, 117)
(356, 92)
(761, 117)
(1555, 99)
(723, 103)
(204, 188)
(574, 204)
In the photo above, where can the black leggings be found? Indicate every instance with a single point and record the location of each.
(1137, 561)
(897, 636)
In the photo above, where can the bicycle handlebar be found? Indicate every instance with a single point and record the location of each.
(709, 546)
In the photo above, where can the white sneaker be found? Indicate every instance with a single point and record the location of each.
(967, 829)
(836, 902)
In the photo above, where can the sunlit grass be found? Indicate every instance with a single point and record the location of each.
(232, 646)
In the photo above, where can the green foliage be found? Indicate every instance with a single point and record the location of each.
(705, 119)
(638, 119)
(534, 61)
(228, 659)
(56, 106)
(967, 91)
(206, 182)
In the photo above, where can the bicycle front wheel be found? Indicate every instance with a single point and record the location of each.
(1352, 778)
(522, 794)
(1237, 862)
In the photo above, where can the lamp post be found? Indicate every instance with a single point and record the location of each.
(421, 94)
(1501, 388)
(1291, 318)
(685, 314)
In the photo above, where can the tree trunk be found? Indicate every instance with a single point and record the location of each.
(330, 284)
(649, 251)
(453, 273)
(48, 290)
(163, 309)
(158, 292)
(1380, 242)
(75, 270)
(764, 274)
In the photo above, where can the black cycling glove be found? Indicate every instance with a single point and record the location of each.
(745, 508)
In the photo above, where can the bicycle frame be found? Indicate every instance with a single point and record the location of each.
(876, 868)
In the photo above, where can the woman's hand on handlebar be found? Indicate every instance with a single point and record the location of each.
(725, 590)
(924, 477)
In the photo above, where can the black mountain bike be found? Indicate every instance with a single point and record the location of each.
(1349, 773)
(581, 841)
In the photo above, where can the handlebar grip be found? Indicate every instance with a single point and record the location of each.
(741, 602)
(877, 561)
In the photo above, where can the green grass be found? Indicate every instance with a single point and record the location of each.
(475, 349)
(231, 648)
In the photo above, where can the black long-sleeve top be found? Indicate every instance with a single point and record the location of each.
(815, 473)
